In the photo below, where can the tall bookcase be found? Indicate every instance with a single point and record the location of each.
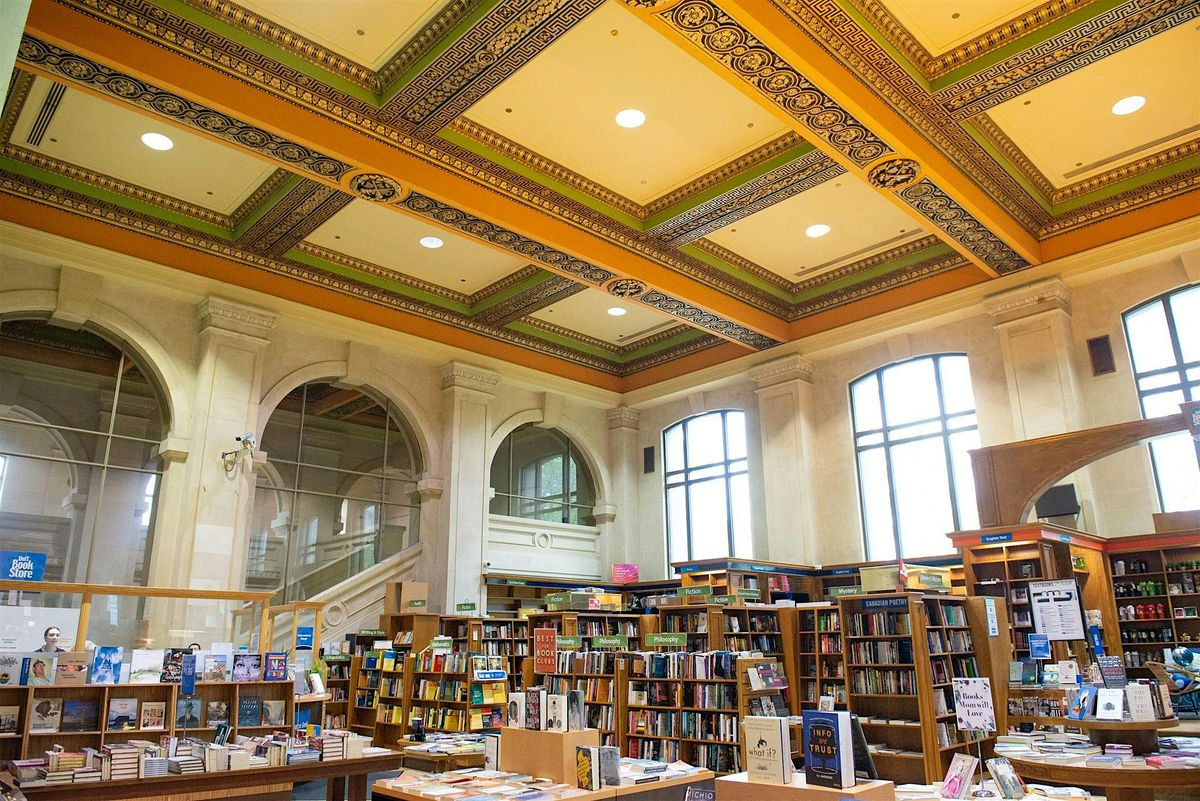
(392, 704)
(465, 633)
(703, 624)
(595, 674)
(364, 692)
(342, 668)
(449, 695)
(819, 668)
(508, 638)
(589, 625)
(771, 580)
(410, 631)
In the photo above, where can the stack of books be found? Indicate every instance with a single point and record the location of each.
(85, 775)
(122, 761)
(301, 756)
(239, 759)
(331, 746)
(62, 776)
(185, 764)
(154, 766)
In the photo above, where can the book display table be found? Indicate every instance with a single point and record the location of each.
(550, 754)
(346, 780)
(1125, 783)
(1142, 735)
(436, 762)
(738, 787)
(674, 789)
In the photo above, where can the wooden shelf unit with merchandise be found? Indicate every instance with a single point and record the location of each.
(393, 703)
(1156, 588)
(703, 625)
(836, 580)
(447, 694)
(772, 580)
(509, 638)
(464, 631)
(410, 631)
(342, 668)
(770, 630)
(819, 666)
(364, 692)
(595, 673)
(588, 625)
(900, 691)
(26, 743)
(760, 700)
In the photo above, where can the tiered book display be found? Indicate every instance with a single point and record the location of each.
(593, 673)
(509, 639)
(1156, 586)
(761, 686)
(453, 692)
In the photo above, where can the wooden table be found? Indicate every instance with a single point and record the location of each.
(664, 790)
(254, 784)
(738, 787)
(1126, 783)
(439, 763)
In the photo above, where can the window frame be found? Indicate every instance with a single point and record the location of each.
(726, 474)
(565, 507)
(1189, 388)
(887, 443)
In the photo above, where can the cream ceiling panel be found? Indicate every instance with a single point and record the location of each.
(587, 313)
(941, 25)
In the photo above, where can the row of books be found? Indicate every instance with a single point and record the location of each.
(765, 622)
(947, 614)
(881, 652)
(49, 715)
(954, 640)
(106, 665)
(876, 624)
(709, 726)
(591, 662)
(879, 681)
(767, 643)
(443, 663)
(507, 631)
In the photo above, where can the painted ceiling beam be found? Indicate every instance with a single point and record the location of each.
(759, 49)
(372, 168)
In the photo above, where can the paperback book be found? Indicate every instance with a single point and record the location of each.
(216, 713)
(1110, 703)
(216, 668)
(154, 716)
(247, 667)
(768, 752)
(106, 664)
(10, 718)
(10, 669)
(71, 670)
(249, 711)
(1141, 703)
(145, 665)
(957, 782)
(556, 712)
(187, 713)
(272, 713)
(275, 667)
(576, 710)
(587, 767)
(39, 670)
(80, 715)
(1008, 782)
(122, 714)
(47, 715)
(172, 665)
(1081, 705)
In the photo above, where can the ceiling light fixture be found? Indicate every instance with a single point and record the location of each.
(431, 242)
(1128, 105)
(815, 231)
(157, 141)
(630, 118)
(617, 311)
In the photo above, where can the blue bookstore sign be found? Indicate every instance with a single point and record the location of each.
(23, 565)
(304, 638)
(884, 603)
(986, 538)
(1039, 646)
(187, 676)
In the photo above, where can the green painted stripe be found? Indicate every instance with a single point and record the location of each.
(1008, 166)
(116, 199)
(672, 342)
(529, 283)
(268, 50)
(445, 43)
(875, 272)
(376, 281)
(573, 344)
(267, 204)
(495, 156)
(729, 184)
(736, 272)
(1166, 171)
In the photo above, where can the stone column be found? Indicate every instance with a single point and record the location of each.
(1033, 323)
(208, 549)
(455, 552)
(785, 408)
(619, 534)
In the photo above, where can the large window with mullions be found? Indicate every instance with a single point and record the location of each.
(914, 423)
(707, 488)
(1164, 346)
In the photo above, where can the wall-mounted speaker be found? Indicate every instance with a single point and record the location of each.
(648, 459)
(1101, 354)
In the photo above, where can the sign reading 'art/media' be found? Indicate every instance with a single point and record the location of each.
(22, 565)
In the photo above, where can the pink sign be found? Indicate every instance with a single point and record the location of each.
(624, 573)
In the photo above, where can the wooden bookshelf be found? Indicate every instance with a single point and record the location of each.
(393, 702)
(703, 625)
(804, 677)
(509, 638)
(364, 693)
(447, 694)
(652, 686)
(465, 632)
(410, 631)
(772, 580)
(589, 626)
(342, 668)
(831, 665)
(749, 700)
(595, 674)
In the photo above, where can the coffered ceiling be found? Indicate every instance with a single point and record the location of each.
(942, 143)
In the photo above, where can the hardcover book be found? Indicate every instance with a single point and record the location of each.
(247, 667)
(576, 711)
(1112, 671)
(172, 665)
(80, 715)
(216, 668)
(768, 750)
(71, 669)
(1110, 703)
(106, 664)
(145, 665)
(249, 711)
(272, 713)
(1029, 673)
(491, 752)
(10, 669)
(957, 782)
(187, 713)
(516, 710)
(275, 667)
(1007, 781)
(535, 710)
(47, 715)
(216, 713)
(556, 713)
(587, 767)
(10, 718)
(39, 669)
(1141, 703)
(610, 766)
(1081, 705)
(122, 714)
(154, 716)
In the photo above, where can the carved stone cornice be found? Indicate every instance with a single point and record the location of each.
(430, 489)
(1023, 301)
(237, 318)
(457, 375)
(174, 450)
(604, 513)
(779, 371)
(623, 417)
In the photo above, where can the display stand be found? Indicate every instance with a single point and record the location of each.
(593, 672)
(738, 787)
(342, 668)
(1124, 783)
(746, 692)
(550, 754)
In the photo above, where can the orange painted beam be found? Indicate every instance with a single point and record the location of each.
(1174, 209)
(188, 78)
(785, 37)
(683, 366)
(131, 243)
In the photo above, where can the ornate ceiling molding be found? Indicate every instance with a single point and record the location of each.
(539, 296)
(296, 215)
(18, 93)
(1138, 198)
(386, 273)
(839, 297)
(927, 199)
(703, 319)
(1047, 293)
(262, 194)
(501, 284)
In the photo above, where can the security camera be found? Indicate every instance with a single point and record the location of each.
(248, 440)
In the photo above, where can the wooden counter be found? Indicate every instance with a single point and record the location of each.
(738, 787)
(1126, 783)
(663, 790)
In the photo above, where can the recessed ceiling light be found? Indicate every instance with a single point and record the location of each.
(814, 231)
(1128, 105)
(431, 242)
(157, 141)
(630, 118)
(616, 311)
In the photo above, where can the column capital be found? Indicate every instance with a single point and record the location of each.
(778, 371)
(623, 417)
(430, 489)
(173, 450)
(604, 512)
(1050, 294)
(457, 375)
(228, 316)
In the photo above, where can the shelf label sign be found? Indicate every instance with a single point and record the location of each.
(973, 704)
(372, 633)
(667, 639)
(986, 538)
(336, 658)
(568, 642)
(418, 604)
(843, 571)
(610, 641)
(884, 603)
(443, 643)
(748, 592)
(993, 621)
(516, 583)
(853, 589)
(558, 598)
(695, 592)
(23, 566)
(304, 638)
(466, 606)
(491, 675)
(723, 599)
(544, 646)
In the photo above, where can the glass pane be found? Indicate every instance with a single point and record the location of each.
(1162, 403)
(709, 522)
(138, 411)
(704, 440)
(706, 472)
(1149, 338)
(132, 453)
(869, 439)
(266, 555)
(922, 494)
(37, 520)
(21, 434)
(550, 478)
(401, 452)
(1176, 469)
(956, 384)
(735, 431)
(738, 466)
(1185, 311)
(877, 505)
(281, 436)
(673, 448)
(340, 483)
(919, 430)
(677, 524)
(909, 392)
(739, 505)
(1193, 374)
(964, 479)
(675, 478)
(963, 421)
(1160, 380)
(864, 394)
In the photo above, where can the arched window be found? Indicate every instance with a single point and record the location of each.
(337, 494)
(1164, 346)
(914, 422)
(707, 489)
(80, 425)
(539, 474)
